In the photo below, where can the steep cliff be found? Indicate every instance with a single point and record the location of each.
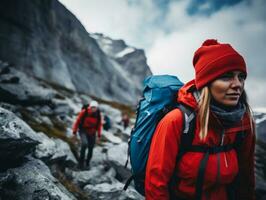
(44, 39)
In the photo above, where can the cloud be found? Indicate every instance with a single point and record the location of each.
(242, 25)
(118, 19)
(208, 7)
(169, 34)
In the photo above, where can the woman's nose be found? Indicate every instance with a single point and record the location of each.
(236, 82)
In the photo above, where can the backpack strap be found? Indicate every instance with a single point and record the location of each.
(231, 188)
(239, 140)
(128, 182)
(187, 136)
(129, 140)
(98, 117)
(139, 185)
(189, 124)
(213, 150)
(201, 173)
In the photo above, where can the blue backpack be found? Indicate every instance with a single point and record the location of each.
(159, 97)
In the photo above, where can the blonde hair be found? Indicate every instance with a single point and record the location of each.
(204, 111)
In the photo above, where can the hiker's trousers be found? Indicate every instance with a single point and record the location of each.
(87, 141)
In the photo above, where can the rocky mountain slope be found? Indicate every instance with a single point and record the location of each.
(39, 158)
(45, 40)
(37, 153)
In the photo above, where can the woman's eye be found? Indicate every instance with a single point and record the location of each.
(242, 77)
(226, 77)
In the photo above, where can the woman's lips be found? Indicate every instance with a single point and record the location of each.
(233, 95)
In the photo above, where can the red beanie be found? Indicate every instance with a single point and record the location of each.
(213, 59)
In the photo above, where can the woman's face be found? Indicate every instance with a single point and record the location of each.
(228, 88)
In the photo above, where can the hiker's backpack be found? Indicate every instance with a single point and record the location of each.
(96, 115)
(159, 97)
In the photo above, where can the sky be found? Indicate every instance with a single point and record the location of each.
(170, 31)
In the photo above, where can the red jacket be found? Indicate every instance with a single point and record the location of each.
(164, 149)
(92, 122)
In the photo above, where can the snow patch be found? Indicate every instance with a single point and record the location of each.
(124, 52)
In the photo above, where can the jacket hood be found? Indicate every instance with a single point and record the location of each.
(186, 96)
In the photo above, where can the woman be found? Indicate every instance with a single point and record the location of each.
(218, 98)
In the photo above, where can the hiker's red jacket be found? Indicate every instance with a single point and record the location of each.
(92, 122)
(221, 168)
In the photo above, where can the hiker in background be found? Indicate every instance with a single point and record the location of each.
(213, 168)
(106, 123)
(87, 124)
(125, 120)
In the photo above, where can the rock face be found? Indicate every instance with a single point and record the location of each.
(132, 60)
(44, 39)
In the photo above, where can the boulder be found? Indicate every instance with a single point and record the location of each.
(16, 137)
(96, 175)
(112, 191)
(18, 88)
(52, 150)
(32, 180)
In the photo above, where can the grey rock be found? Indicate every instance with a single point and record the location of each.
(96, 175)
(110, 137)
(114, 114)
(18, 88)
(16, 137)
(46, 120)
(260, 155)
(117, 153)
(99, 156)
(260, 187)
(44, 110)
(131, 59)
(112, 191)
(54, 150)
(61, 107)
(260, 119)
(32, 180)
(9, 107)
